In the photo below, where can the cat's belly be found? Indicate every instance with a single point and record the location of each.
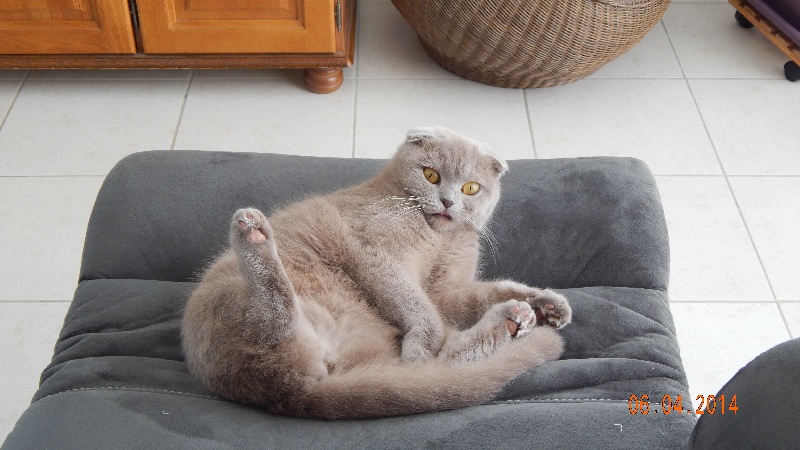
(345, 320)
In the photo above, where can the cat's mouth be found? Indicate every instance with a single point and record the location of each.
(444, 214)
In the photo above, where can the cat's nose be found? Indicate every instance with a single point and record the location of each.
(447, 203)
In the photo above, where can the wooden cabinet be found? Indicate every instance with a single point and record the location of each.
(65, 26)
(317, 35)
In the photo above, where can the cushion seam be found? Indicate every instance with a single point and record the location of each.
(211, 397)
(134, 389)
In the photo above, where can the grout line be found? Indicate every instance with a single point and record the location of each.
(355, 118)
(786, 322)
(530, 124)
(729, 184)
(735, 199)
(14, 99)
(55, 176)
(763, 176)
(357, 57)
(683, 175)
(727, 181)
(720, 301)
(27, 302)
(183, 106)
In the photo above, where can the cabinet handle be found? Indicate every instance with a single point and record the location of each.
(134, 13)
(338, 15)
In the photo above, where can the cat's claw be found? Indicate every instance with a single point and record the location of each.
(522, 327)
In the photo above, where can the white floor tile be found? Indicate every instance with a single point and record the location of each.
(28, 333)
(43, 225)
(653, 57)
(390, 48)
(267, 116)
(84, 128)
(388, 108)
(718, 339)
(791, 311)
(8, 89)
(710, 44)
(654, 120)
(712, 257)
(772, 211)
(753, 124)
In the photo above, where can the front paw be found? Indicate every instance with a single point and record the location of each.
(516, 315)
(551, 309)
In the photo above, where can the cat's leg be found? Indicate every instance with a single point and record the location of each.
(398, 298)
(466, 302)
(274, 310)
(502, 323)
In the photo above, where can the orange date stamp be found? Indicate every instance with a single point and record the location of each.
(708, 404)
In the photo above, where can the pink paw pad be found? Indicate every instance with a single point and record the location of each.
(254, 235)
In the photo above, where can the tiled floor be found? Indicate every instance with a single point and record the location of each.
(703, 101)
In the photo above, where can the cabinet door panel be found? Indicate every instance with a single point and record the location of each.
(65, 27)
(237, 26)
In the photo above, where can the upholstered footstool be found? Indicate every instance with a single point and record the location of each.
(593, 229)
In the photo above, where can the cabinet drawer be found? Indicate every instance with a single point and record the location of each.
(237, 26)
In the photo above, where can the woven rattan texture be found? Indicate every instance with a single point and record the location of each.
(529, 43)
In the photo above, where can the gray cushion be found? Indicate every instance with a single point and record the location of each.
(591, 228)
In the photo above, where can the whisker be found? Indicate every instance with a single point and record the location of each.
(487, 235)
(386, 199)
(415, 192)
(407, 210)
(397, 205)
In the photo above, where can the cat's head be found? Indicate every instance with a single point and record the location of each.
(455, 179)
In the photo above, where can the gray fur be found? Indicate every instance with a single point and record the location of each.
(365, 303)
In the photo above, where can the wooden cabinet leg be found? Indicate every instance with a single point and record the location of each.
(324, 80)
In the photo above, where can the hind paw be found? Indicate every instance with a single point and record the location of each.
(251, 226)
(517, 315)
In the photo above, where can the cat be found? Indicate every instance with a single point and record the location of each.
(364, 302)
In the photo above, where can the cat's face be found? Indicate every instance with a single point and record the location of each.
(454, 179)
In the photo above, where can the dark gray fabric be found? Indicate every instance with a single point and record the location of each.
(592, 228)
(158, 420)
(767, 394)
(560, 223)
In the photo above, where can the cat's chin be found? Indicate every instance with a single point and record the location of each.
(440, 221)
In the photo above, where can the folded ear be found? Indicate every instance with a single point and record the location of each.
(423, 133)
(498, 164)
(420, 134)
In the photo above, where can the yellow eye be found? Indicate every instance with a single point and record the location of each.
(471, 188)
(431, 175)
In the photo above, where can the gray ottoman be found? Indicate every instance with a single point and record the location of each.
(592, 228)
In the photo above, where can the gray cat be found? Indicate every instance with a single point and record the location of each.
(364, 302)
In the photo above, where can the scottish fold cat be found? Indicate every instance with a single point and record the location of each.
(365, 302)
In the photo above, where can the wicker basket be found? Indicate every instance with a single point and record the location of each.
(529, 43)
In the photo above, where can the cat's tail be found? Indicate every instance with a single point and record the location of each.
(398, 389)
